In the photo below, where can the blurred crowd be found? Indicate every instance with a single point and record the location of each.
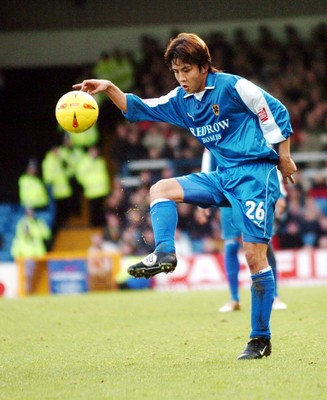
(293, 69)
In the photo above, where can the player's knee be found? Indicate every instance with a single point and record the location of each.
(255, 257)
(168, 189)
(251, 258)
(157, 190)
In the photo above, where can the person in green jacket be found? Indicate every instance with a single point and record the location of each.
(32, 236)
(71, 156)
(27, 247)
(32, 190)
(86, 139)
(115, 66)
(83, 140)
(36, 226)
(56, 177)
(92, 173)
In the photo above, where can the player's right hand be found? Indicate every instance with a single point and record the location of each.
(92, 86)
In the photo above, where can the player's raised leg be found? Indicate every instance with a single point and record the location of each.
(163, 211)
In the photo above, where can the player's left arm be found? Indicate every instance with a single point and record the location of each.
(274, 122)
(286, 165)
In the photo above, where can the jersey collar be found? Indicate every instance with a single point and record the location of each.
(210, 83)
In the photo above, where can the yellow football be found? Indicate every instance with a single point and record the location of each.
(77, 111)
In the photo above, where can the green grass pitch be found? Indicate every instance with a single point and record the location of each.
(159, 345)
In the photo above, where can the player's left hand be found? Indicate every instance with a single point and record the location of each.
(287, 167)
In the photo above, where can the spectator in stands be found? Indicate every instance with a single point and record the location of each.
(117, 201)
(32, 190)
(112, 231)
(32, 236)
(115, 66)
(185, 216)
(99, 265)
(87, 139)
(120, 145)
(140, 198)
(300, 226)
(71, 156)
(154, 140)
(210, 230)
(291, 237)
(309, 223)
(83, 140)
(36, 226)
(56, 176)
(119, 67)
(92, 173)
(129, 241)
(176, 142)
(318, 191)
(135, 149)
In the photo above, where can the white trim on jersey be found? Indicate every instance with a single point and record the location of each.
(200, 93)
(160, 100)
(255, 100)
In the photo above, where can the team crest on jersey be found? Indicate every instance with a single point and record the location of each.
(215, 109)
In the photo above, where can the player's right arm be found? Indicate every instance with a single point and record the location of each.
(95, 86)
(135, 109)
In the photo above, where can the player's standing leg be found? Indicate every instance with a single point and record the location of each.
(258, 187)
(262, 297)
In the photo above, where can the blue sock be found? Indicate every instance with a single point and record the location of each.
(272, 262)
(232, 266)
(262, 297)
(164, 221)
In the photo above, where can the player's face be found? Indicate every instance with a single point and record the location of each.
(189, 76)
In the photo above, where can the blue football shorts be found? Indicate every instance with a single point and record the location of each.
(251, 190)
(228, 229)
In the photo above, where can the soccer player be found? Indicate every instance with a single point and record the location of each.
(232, 243)
(234, 119)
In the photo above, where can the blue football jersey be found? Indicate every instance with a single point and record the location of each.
(233, 118)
